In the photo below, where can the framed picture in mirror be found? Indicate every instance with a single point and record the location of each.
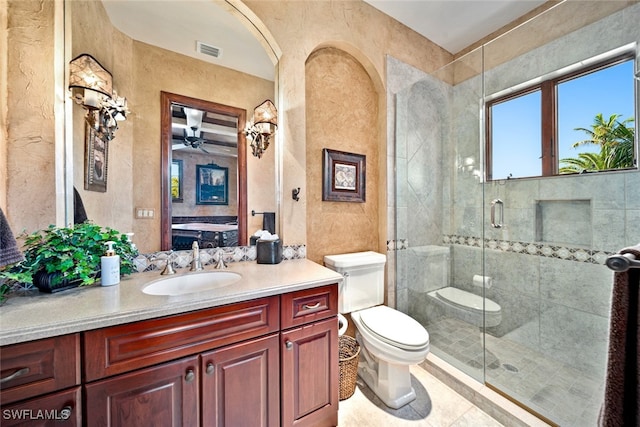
(96, 157)
(177, 195)
(212, 185)
(343, 177)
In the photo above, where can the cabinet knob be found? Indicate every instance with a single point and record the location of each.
(210, 368)
(190, 376)
(289, 345)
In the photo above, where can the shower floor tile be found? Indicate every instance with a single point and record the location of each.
(562, 393)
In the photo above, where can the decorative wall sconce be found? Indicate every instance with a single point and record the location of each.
(92, 87)
(262, 127)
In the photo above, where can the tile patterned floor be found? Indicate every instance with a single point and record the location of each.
(436, 405)
(560, 392)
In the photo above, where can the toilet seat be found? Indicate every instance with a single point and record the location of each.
(395, 328)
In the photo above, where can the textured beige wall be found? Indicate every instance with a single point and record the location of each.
(341, 107)
(4, 34)
(113, 207)
(298, 28)
(301, 27)
(29, 128)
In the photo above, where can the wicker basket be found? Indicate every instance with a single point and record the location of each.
(349, 352)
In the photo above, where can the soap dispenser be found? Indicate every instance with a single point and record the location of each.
(110, 266)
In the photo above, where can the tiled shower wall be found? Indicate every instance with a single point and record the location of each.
(552, 286)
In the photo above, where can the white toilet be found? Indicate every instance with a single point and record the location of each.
(390, 341)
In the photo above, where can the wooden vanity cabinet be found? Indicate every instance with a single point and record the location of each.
(225, 370)
(40, 382)
(267, 362)
(309, 366)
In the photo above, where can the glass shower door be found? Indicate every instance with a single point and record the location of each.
(545, 263)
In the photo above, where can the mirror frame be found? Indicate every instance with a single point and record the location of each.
(166, 99)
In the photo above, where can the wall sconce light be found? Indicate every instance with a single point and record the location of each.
(262, 127)
(92, 87)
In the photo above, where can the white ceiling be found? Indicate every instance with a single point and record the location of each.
(455, 24)
(177, 26)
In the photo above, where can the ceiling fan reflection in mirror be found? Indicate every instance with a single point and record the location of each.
(194, 123)
(203, 132)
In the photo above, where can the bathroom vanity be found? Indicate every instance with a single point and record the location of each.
(261, 352)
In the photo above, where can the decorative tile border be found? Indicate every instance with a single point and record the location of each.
(182, 259)
(567, 253)
(526, 248)
(397, 245)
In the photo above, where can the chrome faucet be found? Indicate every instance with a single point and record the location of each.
(220, 264)
(168, 268)
(196, 264)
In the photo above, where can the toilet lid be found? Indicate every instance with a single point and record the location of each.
(394, 327)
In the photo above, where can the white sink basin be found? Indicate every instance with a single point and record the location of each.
(191, 282)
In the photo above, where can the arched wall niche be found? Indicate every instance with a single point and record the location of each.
(345, 110)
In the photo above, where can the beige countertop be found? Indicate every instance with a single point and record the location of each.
(45, 315)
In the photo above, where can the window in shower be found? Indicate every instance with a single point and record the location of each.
(577, 120)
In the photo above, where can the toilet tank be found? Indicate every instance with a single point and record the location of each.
(363, 284)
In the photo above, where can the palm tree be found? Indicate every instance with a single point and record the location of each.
(616, 140)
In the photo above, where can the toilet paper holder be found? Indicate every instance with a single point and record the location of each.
(479, 280)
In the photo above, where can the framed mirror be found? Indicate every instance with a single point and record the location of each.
(144, 62)
(208, 140)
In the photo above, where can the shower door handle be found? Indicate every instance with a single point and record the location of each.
(500, 203)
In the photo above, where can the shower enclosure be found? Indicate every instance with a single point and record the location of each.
(531, 250)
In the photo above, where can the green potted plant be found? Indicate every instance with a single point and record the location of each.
(58, 258)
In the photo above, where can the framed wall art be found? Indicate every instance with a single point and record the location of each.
(176, 181)
(212, 185)
(344, 176)
(96, 157)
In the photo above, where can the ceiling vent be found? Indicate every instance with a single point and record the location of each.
(207, 49)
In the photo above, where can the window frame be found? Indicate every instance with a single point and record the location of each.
(549, 117)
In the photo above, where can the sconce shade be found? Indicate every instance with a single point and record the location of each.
(262, 127)
(265, 113)
(85, 72)
(92, 88)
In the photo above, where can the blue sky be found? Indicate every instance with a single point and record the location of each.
(516, 124)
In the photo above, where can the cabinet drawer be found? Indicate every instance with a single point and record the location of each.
(309, 305)
(122, 348)
(60, 409)
(38, 367)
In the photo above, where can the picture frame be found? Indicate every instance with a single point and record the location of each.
(344, 176)
(96, 159)
(177, 195)
(212, 185)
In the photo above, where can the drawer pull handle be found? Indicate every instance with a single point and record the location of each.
(20, 372)
(311, 307)
(190, 376)
(289, 345)
(210, 368)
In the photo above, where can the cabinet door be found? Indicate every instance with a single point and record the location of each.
(61, 409)
(310, 374)
(164, 395)
(241, 384)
